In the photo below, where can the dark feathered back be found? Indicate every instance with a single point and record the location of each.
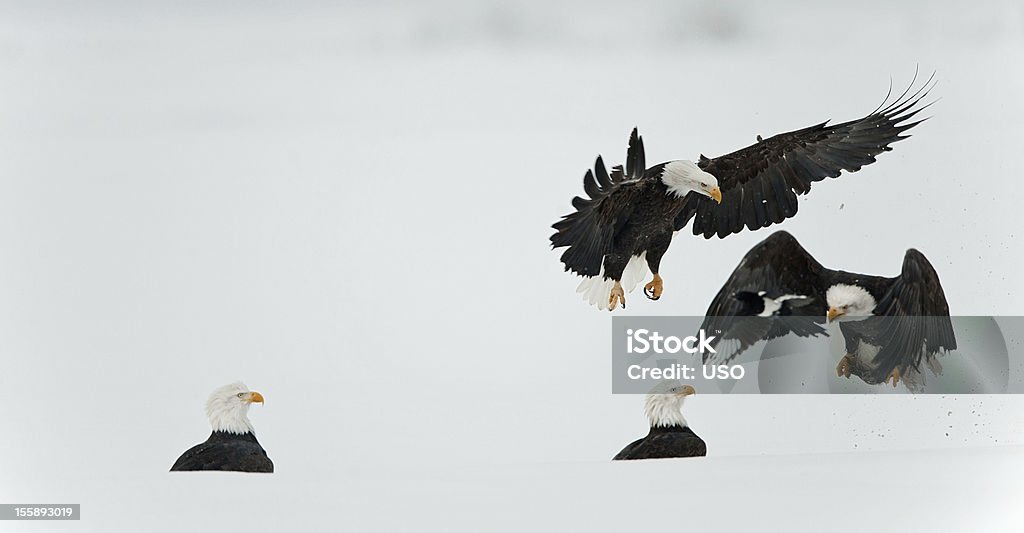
(665, 443)
(226, 452)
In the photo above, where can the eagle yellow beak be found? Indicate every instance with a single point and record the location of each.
(716, 194)
(833, 313)
(254, 397)
(687, 391)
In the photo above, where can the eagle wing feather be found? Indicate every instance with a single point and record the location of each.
(764, 179)
(911, 321)
(589, 232)
(777, 265)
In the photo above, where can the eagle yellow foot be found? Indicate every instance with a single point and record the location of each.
(843, 368)
(895, 376)
(653, 289)
(617, 296)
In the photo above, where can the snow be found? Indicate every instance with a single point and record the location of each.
(941, 490)
(347, 208)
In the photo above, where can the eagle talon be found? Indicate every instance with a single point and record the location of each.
(617, 297)
(895, 376)
(654, 289)
(843, 368)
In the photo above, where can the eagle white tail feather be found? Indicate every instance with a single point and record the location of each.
(596, 290)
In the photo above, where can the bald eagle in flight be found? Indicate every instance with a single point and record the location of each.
(670, 435)
(626, 224)
(890, 325)
(232, 445)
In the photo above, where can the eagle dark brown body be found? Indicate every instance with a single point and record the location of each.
(664, 443)
(226, 452)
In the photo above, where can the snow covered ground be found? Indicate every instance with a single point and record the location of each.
(974, 489)
(347, 207)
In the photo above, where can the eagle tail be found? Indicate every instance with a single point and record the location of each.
(597, 289)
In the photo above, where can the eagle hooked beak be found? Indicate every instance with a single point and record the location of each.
(253, 397)
(716, 194)
(834, 313)
(687, 390)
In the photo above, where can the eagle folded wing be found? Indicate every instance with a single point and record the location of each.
(912, 320)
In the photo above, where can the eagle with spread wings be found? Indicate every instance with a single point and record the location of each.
(625, 224)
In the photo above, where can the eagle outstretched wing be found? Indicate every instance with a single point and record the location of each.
(779, 266)
(590, 231)
(777, 263)
(760, 183)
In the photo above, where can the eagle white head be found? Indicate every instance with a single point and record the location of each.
(848, 300)
(684, 176)
(665, 410)
(228, 408)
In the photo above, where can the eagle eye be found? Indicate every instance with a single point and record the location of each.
(240, 394)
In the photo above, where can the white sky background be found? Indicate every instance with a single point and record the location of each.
(348, 208)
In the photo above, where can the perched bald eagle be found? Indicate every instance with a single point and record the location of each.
(904, 320)
(232, 445)
(627, 223)
(670, 436)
